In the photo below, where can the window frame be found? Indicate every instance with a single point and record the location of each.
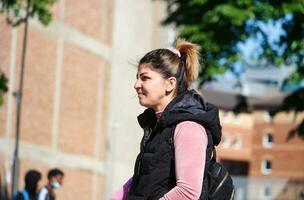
(265, 140)
(264, 169)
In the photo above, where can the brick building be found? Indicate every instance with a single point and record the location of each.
(255, 150)
(254, 147)
(78, 92)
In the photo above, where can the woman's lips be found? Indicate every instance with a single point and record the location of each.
(140, 94)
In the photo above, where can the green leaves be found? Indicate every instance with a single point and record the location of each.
(15, 10)
(41, 9)
(3, 86)
(44, 16)
(237, 15)
(198, 2)
(293, 6)
(219, 26)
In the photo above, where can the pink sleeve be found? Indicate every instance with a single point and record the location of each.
(121, 194)
(190, 143)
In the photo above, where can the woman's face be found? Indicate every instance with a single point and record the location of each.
(152, 89)
(39, 185)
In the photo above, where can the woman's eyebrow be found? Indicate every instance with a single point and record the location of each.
(143, 73)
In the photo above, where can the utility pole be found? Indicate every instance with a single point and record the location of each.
(18, 96)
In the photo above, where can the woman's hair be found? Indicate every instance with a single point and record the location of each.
(31, 179)
(182, 64)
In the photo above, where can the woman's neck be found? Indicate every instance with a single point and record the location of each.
(163, 104)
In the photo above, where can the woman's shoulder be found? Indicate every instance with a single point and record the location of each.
(189, 124)
(190, 133)
(189, 127)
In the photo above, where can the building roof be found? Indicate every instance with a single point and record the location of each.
(261, 86)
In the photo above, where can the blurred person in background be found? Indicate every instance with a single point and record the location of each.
(30, 191)
(171, 162)
(55, 180)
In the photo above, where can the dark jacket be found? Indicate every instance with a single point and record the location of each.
(154, 173)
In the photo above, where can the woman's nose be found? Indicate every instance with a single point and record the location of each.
(137, 84)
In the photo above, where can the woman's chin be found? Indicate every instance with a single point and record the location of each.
(142, 103)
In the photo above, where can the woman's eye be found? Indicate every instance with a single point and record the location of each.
(145, 78)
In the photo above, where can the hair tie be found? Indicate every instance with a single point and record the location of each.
(175, 51)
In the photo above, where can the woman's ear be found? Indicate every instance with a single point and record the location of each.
(170, 84)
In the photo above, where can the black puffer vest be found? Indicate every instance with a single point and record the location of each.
(154, 173)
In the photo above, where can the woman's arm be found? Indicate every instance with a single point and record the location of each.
(121, 194)
(190, 143)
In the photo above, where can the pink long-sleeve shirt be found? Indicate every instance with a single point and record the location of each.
(190, 143)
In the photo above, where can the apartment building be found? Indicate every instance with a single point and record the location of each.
(256, 151)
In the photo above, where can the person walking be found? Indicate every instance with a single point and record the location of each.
(177, 126)
(55, 180)
(30, 191)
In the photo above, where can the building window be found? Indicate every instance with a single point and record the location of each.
(265, 192)
(266, 166)
(237, 142)
(267, 140)
(226, 142)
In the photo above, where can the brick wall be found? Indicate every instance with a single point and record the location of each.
(64, 110)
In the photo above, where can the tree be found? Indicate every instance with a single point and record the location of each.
(18, 12)
(14, 11)
(219, 26)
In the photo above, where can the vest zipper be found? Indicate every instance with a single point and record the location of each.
(147, 133)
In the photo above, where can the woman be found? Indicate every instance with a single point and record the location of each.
(32, 178)
(171, 162)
